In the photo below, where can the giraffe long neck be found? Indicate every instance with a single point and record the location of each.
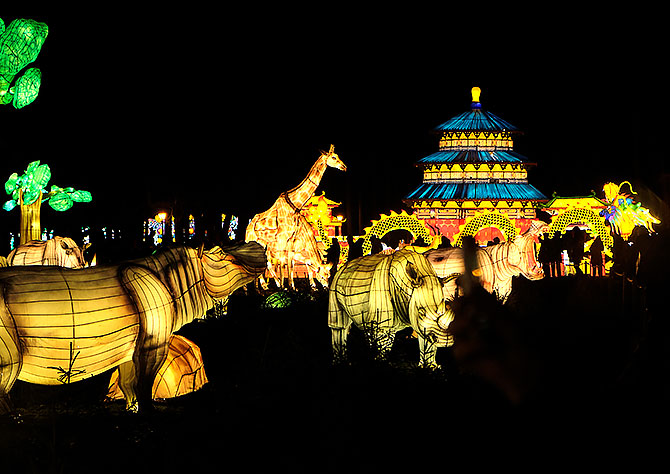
(305, 190)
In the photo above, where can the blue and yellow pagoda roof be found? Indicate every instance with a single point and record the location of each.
(476, 119)
(476, 192)
(475, 161)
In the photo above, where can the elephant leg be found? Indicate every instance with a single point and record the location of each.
(427, 353)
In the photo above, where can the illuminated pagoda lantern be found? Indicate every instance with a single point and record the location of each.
(475, 184)
(319, 213)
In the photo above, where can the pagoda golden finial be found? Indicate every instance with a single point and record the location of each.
(475, 98)
(476, 91)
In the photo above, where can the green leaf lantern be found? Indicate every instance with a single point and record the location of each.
(20, 44)
(9, 205)
(27, 88)
(10, 185)
(61, 202)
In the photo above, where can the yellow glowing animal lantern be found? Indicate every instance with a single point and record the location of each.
(623, 213)
(182, 372)
(497, 264)
(184, 361)
(281, 229)
(59, 325)
(305, 250)
(382, 294)
(59, 251)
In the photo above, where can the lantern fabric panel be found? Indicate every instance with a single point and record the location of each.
(182, 372)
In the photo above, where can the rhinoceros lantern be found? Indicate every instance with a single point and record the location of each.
(61, 325)
(382, 294)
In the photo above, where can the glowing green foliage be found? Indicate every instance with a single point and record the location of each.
(278, 300)
(9, 205)
(20, 44)
(31, 185)
(27, 87)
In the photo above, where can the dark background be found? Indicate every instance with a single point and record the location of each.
(221, 110)
(208, 111)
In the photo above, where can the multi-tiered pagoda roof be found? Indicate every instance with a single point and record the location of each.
(475, 163)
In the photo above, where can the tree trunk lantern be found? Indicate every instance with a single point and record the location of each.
(30, 228)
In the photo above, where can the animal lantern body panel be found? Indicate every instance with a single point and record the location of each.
(183, 372)
(61, 312)
(383, 294)
(59, 251)
(286, 234)
(59, 325)
(497, 263)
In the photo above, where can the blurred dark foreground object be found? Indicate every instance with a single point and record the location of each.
(489, 341)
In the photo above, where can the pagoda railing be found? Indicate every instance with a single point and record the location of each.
(475, 148)
(474, 181)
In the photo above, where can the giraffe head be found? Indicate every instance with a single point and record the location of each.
(333, 160)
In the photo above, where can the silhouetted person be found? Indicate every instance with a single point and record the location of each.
(575, 247)
(355, 248)
(550, 255)
(445, 243)
(544, 255)
(597, 248)
(376, 245)
(556, 255)
(333, 257)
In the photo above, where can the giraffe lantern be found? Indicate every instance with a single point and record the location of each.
(285, 232)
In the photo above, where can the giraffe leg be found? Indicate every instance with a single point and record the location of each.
(310, 274)
(262, 283)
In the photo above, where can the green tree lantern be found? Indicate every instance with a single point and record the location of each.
(28, 191)
(20, 43)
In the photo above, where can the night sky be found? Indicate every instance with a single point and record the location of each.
(221, 111)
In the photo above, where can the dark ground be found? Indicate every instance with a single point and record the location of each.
(275, 403)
